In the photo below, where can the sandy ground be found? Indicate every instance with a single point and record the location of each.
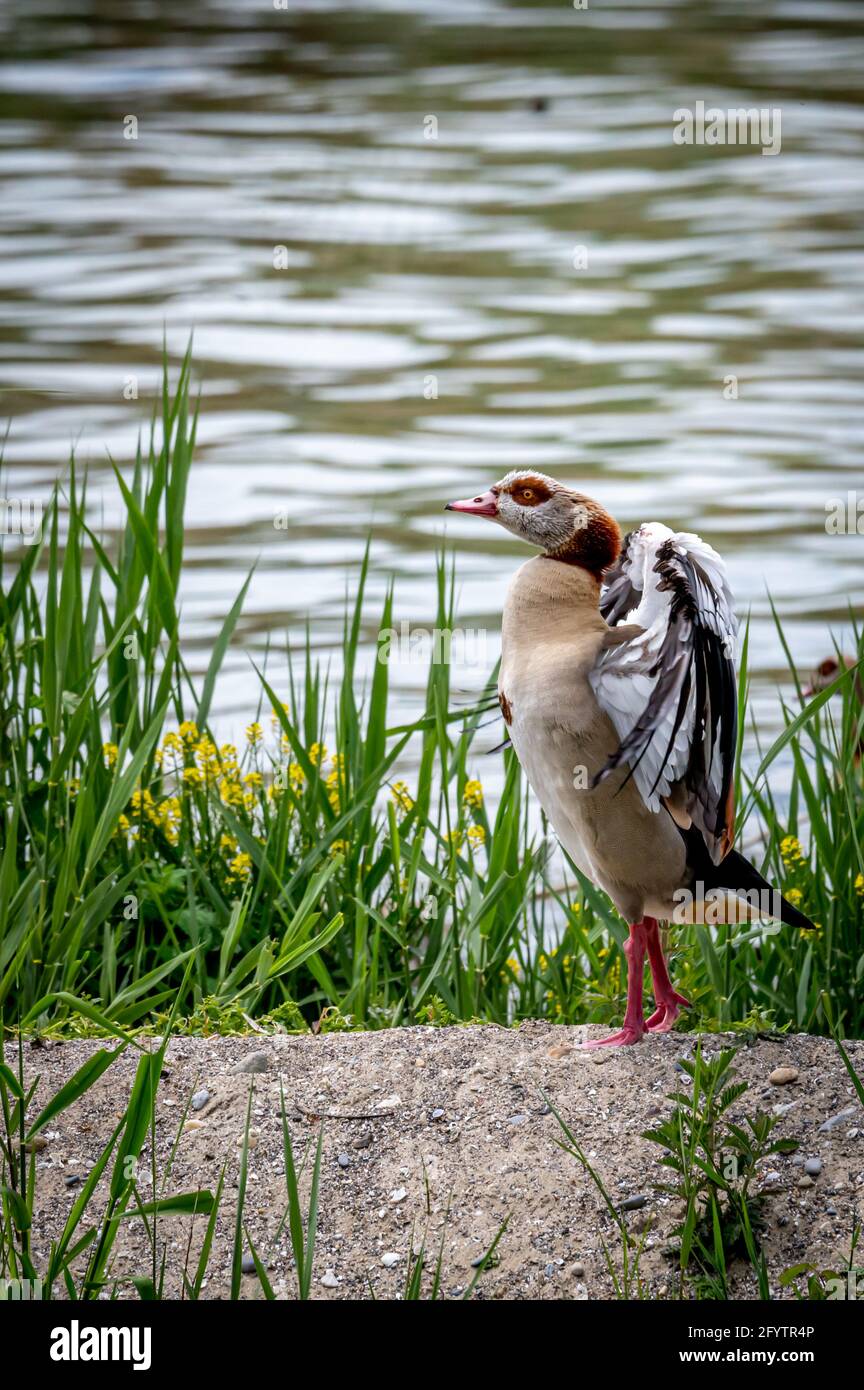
(420, 1120)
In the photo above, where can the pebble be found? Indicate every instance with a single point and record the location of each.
(71, 1179)
(399, 1194)
(803, 1182)
(836, 1120)
(35, 1146)
(633, 1203)
(783, 1076)
(437, 1114)
(363, 1140)
(329, 1280)
(517, 1119)
(200, 1099)
(830, 1211)
(772, 1182)
(389, 1103)
(390, 1259)
(253, 1062)
(344, 1161)
(813, 1166)
(247, 1264)
(551, 1270)
(560, 1050)
(578, 1271)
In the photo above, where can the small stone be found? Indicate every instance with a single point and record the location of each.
(783, 1076)
(389, 1103)
(813, 1166)
(35, 1146)
(551, 1271)
(437, 1114)
(247, 1264)
(399, 1194)
(830, 1211)
(633, 1203)
(804, 1181)
(390, 1259)
(344, 1160)
(363, 1140)
(71, 1179)
(578, 1271)
(559, 1050)
(517, 1120)
(200, 1099)
(329, 1280)
(194, 1124)
(253, 1062)
(836, 1120)
(772, 1182)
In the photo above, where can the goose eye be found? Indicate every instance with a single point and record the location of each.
(527, 493)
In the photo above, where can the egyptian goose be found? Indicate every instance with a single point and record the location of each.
(617, 683)
(826, 674)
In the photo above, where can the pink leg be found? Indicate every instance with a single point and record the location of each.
(634, 1027)
(669, 1003)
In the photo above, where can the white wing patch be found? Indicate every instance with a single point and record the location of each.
(670, 692)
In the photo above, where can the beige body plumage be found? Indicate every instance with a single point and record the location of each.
(551, 638)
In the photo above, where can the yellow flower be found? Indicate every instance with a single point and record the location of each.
(231, 792)
(73, 786)
(476, 834)
(188, 731)
(193, 775)
(274, 717)
(296, 776)
(172, 743)
(254, 734)
(859, 885)
(318, 754)
(575, 907)
(790, 850)
(454, 837)
(241, 865)
(473, 794)
(109, 752)
(794, 896)
(542, 961)
(513, 964)
(401, 795)
(227, 843)
(253, 779)
(338, 847)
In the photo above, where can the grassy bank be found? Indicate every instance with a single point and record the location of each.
(295, 878)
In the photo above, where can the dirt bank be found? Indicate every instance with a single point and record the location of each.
(462, 1111)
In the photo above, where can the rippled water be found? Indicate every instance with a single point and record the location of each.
(432, 323)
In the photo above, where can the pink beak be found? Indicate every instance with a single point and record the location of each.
(486, 505)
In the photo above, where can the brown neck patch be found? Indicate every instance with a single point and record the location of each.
(594, 546)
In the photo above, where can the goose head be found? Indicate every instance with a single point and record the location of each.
(566, 525)
(827, 671)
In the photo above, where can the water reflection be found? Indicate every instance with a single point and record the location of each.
(383, 320)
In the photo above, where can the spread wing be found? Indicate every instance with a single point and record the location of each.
(670, 688)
